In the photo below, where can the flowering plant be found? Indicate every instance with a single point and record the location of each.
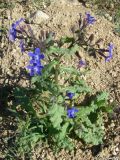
(54, 107)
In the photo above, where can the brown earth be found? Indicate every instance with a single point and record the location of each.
(64, 16)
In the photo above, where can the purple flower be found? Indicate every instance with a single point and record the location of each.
(35, 66)
(35, 69)
(12, 33)
(71, 112)
(90, 19)
(110, 51)
(36, 56)
(13, 30)
(82, 63)
(70, 95)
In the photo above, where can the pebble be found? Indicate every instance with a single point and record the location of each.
(112, 5)
(6, 81)
(112, 125)
(117, 149)
(116, 139)
(111, 100)
(108, 17)
(88, 5)
(114, 153)
(38, 17)
(1, 118)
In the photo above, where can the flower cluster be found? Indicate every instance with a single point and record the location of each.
(89, 19)
(110, 51)
(71, 112)
(13, 30)
(35, 67)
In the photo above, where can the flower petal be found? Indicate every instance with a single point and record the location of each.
(31, 54)
(37, 51)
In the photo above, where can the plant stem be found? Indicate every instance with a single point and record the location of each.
(56, 73)
(57, 69)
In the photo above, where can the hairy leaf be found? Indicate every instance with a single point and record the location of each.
(56, 113)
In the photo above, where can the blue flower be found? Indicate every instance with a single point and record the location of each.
(70, 95)
(71, 112)
(90, 19)
(35, 66)
(35, 69)
(82, 63)
(110, 51)
(36, 56)
(13, 30)
(12, 33)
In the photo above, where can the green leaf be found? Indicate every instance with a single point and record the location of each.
(60, 99)
(49, 40)
(74, 49)
(35, 79)
(91, 133)
(46, 72)
(56, 113)
(76, 89)
(102, 96)
(67, 40)
(63, 131)
(47, 68)
(70, 70)
(23, 100)
(62, 51)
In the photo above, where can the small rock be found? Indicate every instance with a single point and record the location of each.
(114, 153)
(112, 125)
(6, 81)
(117, 149)
(108, 17)
(38, 17)
(1, 118)
(88, 5)
(111, 100)
(116, 139)
(112, 5)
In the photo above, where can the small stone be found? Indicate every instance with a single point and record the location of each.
(117, 149)
(1, 118)
(112, 125)
(95, 6)
(116, 139)
(38, 17)
(5, 133)
(112, 5)
(111, 100)
(114, 153)
(6, 81)
(87, 5)
(108, 17)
